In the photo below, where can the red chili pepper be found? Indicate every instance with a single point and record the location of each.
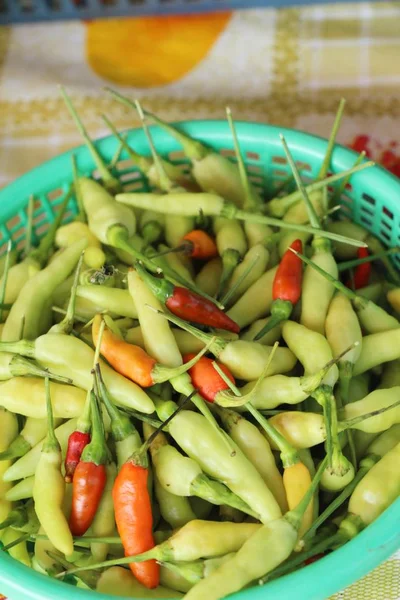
(132, 361)
(134, 519)
(89, 477)
(286, 289)
(77, 441)
(360, 144)
(186, 304)
(313, 559)
(198, 244)
(133, 511)
(206, 379)
(362, 272)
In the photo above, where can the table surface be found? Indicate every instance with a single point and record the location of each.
(287, 67)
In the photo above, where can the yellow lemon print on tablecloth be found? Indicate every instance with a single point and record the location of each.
(151, 51)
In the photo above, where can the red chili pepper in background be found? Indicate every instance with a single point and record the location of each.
(77, 441)
(90, 476)
(313, 559)
(186, 304)
(286, 289)
(198, 244)
(362, 272)
(206, 379)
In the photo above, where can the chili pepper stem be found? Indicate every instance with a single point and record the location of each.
(41, 253)
(182, 385)
(252, 199)
(230, 211)
(139, 457)
(165, 182)
(226, 298)
(142, 162)
(340, 499)
(295, 516)
(51, 443)
(110, 182)
(349, 264)
(280, 311)
(298, 560)
(67, 323)
(160, 373)
(193, 149)
(288, 454)
(216, 346)
(345, 375)
(81, 216)
(118, 237)
(350, 423)
(312, 215)
(230, 260)
(323, 395)
(5, 277)
(20, 367)
(358, 301)
(279, 206)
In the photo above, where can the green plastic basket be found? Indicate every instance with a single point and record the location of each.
(372, 199)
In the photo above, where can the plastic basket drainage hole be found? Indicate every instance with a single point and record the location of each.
(387, 212)
(368, 199)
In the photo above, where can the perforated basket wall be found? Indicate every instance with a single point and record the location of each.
(373, 200)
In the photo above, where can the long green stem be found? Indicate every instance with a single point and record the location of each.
(5, 278)
(350, 264)
(193, 149)
(332, 140)
(288, 454)
(142, 162)
(29, 226)
(341, 188)
(67, 324)
(41, 253)
(337, 502)
(118, 237)
(110, 182)
(252, 199)
(81, 216)
(288, 201)
(230, 212)
(164, 181)
(312, 215)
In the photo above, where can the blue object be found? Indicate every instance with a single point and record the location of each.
(25, 11)
(372, 200)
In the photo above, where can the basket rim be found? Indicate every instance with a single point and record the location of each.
(373, 545)
(341, 155)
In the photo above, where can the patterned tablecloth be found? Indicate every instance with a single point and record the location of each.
(287, 67)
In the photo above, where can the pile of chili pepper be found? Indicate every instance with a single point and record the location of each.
(198, 383)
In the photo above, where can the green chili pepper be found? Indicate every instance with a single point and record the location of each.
(215, 459)
(121, 581)
(33, 432)
(258, 451)
(21, 490)
(26, 465)
(372, 317)
(254, 558)
(74, 357)
(34, 296)
(49, 488)
(182, 476)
